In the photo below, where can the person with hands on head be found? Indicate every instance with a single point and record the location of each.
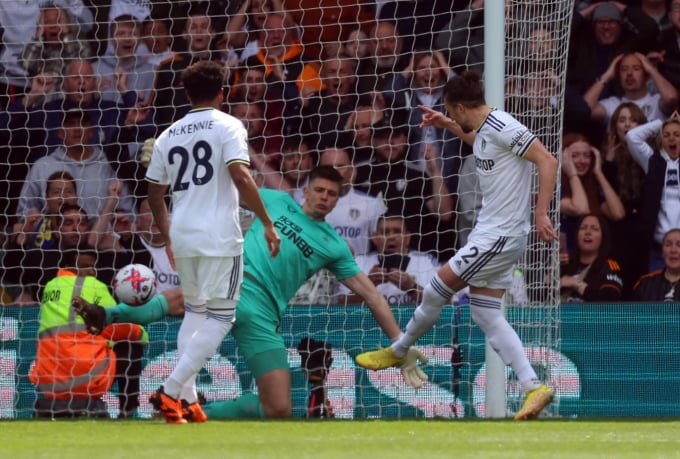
(633, 70)
(660, 208)
(589, 192)
(505, 151)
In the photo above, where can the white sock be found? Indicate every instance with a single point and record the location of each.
(194, 317)
(486, 312)
(199, 349)
(435, 295)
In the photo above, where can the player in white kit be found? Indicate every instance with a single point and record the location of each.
(203, 159)
(504, 151)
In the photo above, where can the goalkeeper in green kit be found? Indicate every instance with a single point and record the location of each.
(308, 244)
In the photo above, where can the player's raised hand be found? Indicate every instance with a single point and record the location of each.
(433, 118)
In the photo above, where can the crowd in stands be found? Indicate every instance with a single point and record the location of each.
(84, 83)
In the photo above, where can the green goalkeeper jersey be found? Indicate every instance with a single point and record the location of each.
(306, 247)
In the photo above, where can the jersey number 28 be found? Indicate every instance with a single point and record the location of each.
(201, 153)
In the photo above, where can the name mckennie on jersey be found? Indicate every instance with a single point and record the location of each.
(190, 128)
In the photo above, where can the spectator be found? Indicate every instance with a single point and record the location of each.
(422, 83)
(325, 113)
(385, 60)
(466, 26)
(326, 22)
(37, 228)
(586, 190)
(397, 272)
(423, 198)
(19, 20)
(356, 213)
(590, 275)
(54, 45)
(419, 21)
(156, 41)
(633, 72)
(253, 118)
(297, 160)
(668, 57)
(85, 162)
(660, 208)
(123, 70)
(170, 101)
(358, 131)
(37, 124)
(662, 284)
(152, 239)
(356, 46)
(74, 369)
(626, 177)
(290, 74)
(32, 267)
(244, 29)
(599, 32)
(250, 85)
(657, 10)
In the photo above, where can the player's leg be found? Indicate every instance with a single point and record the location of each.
(264, 351)
(170, 302)
(194, 317)
(492, 277)
(218, 282)
(436, 294)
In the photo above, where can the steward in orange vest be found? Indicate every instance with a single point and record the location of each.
(73, 369)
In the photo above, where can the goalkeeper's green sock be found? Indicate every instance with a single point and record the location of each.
(155, 309)
(247, 406)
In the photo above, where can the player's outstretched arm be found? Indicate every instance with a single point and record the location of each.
(408, 364)
(362, 286)
(250, 195)
(96, 318)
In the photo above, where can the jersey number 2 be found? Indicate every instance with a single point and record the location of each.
(201, 153)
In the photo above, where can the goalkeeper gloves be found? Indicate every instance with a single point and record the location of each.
(146, 151)
(410, 371)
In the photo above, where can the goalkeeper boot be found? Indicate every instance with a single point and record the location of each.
(377, 360)
(93, 315)
(193, 412)
(534, 403)
(170, 407)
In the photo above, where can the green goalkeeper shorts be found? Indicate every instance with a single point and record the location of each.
(256, 331)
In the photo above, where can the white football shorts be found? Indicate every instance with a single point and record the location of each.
(205, 279)
(488, 260)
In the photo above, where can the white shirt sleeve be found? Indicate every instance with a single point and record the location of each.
(636, 139)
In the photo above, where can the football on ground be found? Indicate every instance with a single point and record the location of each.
(134, 284)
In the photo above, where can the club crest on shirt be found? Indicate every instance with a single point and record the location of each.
(354, 213)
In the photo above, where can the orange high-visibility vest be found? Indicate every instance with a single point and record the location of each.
(70, 362)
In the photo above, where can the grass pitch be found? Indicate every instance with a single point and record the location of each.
(420, 439)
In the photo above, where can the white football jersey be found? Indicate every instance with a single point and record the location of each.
(166, 277)
(355, 218)
(192, 156)
(504, 175)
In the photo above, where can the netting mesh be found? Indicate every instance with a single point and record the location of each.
(84, 84)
